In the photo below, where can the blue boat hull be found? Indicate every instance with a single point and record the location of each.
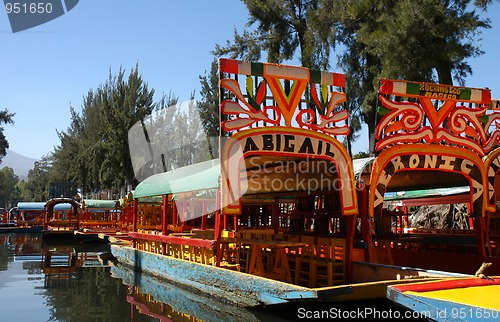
(227, 285)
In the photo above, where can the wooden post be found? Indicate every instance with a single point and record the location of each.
(350, 222)
(217, 232)
(275, 215)
(163, 218)
(480, 233)
(204, 215)
(134, 219)
(365, 221)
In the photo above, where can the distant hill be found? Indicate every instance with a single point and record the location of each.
(21, 164)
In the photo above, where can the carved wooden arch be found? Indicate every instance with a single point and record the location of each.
(287, 142)
(427, 157)
(50, 204)
(492, 167)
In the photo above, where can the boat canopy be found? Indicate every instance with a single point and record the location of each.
(430, 196)
(199, 176)
(39, 206)
(95, 204)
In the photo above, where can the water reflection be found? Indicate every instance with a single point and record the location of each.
(42, 281)
(150, 296)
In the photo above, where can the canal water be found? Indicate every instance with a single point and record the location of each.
(42, 281)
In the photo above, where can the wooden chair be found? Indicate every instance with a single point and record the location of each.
(303, 261)
(244, 250)
(328, 265)
(338, 252)
(321, 265)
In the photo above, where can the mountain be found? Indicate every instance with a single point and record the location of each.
(21, 164)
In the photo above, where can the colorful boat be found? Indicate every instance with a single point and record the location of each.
(168, 302)
(101, 219)
(26, 217)
(61, 218)
(461, 299)
(434, 146)
(274, 219)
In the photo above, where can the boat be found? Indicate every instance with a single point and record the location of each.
(61, 218)
(274, 219)
(454, 299)
(432, 149)
(120, 236)
(101, 219)
(26, 217)
(163, 301)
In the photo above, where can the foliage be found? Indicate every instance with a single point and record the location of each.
(416, 40)
(427, 41)
(94, 149)
(8, 190)
(208, 106)
(283, 27)
(38, 180)
(5, 118)
(360, 155)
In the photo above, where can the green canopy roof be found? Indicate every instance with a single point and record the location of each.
(439, 192)
(40, 206)
(199, 176)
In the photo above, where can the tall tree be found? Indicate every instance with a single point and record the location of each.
(426, 41)
(208, 106)
(39, 179)
(8, 191)
(5, 118)
(94, 149)
(419, 40)
(283, 28)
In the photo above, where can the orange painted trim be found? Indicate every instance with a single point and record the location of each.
(343, 161)
(491, 158)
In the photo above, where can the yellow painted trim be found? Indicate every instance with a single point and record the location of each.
(484, 296)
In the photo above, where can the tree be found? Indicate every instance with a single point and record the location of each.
(39, 179)
(94, 149)
(286, 28)
(8, 191)
(426, 41)
(416, 40)
(5, 118)
(283, 28)
(208, 106)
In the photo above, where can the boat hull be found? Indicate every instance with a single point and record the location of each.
(462, 299)
(227, 285)
(193, 304)
(20, 230)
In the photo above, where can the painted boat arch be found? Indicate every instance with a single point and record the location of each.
(446, 159)
(66, 225)
(492, 166)
(285, 142)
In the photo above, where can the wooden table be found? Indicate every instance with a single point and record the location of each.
(280, 270)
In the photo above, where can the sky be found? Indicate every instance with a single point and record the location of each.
(48, 68)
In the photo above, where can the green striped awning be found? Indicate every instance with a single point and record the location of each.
(199, 176)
